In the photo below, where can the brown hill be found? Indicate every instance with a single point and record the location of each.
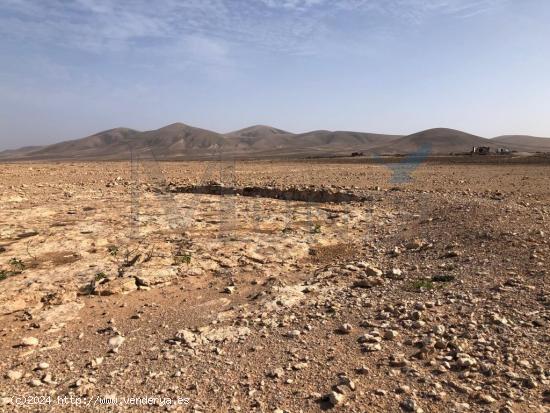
(316, 142)
(180, 141)
(254, 137)
(257, 132)
(169, 141)
(16, 153)
(525, 141)
(99, 145)
(436, 141)
(344, 139)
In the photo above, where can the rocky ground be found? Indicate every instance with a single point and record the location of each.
(124, 281)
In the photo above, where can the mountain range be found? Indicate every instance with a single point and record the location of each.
(180, 141)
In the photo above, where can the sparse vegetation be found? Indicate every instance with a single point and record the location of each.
(149, 254)
(99, 276)
(113, 250)
(183, 258)
(423, 284)
(181, 250)
(131, 256)
(17, 265)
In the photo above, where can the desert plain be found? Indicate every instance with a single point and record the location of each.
(276, 286)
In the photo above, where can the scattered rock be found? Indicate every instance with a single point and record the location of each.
(277, 373)
(229, 289)
(336, 398)
(410, 405)
(14, 374)
(299, 366)
(35, 383)
(116, 341)
(373, 271)
(369, 282)
(486, 398)
(395, 273)
(294, 333)
(390, 334)
(403, 389)
(345, 328)
(414, 244)
(371, 347)
(29, 342)
(121, 285)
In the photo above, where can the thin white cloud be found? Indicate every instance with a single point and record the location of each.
(418, 10)
(300, 5)
(281, 25)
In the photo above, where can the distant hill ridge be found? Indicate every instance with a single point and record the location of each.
(534, 142)
(181, 141)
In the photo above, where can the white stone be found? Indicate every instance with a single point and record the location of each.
(14, 374)
(29, 341)
(116, 341)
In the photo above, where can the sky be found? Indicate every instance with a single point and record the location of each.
(69, 69)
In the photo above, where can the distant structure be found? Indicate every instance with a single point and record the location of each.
(480, 150)
(503, 151)
(357, 154)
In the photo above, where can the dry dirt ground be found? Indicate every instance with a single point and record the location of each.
(121, 290)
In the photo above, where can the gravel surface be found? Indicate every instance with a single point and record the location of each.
(421, 288)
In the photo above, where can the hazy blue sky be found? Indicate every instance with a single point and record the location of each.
(72, 68)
